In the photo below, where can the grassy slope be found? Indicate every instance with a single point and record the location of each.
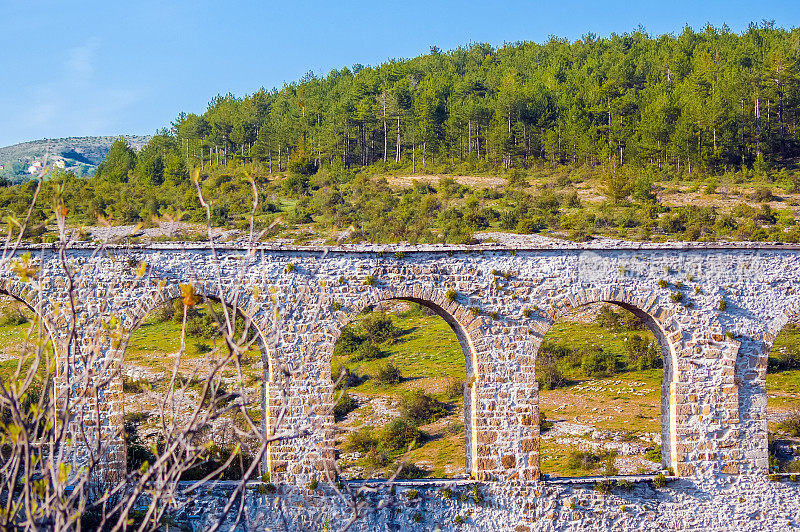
(428, 355)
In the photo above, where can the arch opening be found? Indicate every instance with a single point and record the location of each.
(21, 345)
(401, 370)
(783, 400)
(207, 388)
(604, 373)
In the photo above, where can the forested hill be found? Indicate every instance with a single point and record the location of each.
(688, 137)
(81, 155)
(699, 100)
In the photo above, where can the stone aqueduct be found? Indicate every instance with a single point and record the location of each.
(500, 302)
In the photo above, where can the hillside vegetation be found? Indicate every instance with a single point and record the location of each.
(691, 137)
(81, 155)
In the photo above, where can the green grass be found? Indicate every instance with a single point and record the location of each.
(427, 353)
(783, 386)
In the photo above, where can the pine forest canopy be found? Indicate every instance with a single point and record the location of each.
(710, 99)
(634, 113)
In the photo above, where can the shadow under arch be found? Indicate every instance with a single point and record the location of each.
(458, 318)
(668, 335)
(247, 309)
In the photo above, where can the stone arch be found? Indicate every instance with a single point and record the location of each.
(773, 329)
(666, 330)
(752, 365)
(25, 294)
(465, 325)
(246, 306)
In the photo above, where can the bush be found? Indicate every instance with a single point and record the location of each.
(347, 343)
(642, 354)
(215, 456)
(13, 318)
(388, 374)
(548, 371)
(379, 327)
(134, 385)
(454, 388)
(544, 425)
(762, 195)
(654, 454)
(399, 434)
(202, 326)
(660, 480)
(589, 461)
(791, 425)
(362, 440)
(412, 471)
(344, 406)
(419, 407)
(366, 351)
(599, 363)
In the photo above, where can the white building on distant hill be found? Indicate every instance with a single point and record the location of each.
(35, 168)
(60, 164)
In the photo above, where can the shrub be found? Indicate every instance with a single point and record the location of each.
(762, 195)
(202, 326)
(582, 460)
(609, 319)
(454, 388)
(344, 406)
(366, 351)
(412, 494)
(313, 484)
(419, 407)
(446, 493)
(361, 440)
(369, 280)
(604, 486)
(134, 385)
(388, 374)
(548, 371)
(791, 425)
(409, 471)
(676, 297)
(526, 312)
(13, 318)
(451, 295)
(599, 363)
(654, 454)
(642, 354)
(380, 328)
(625, 485)
(660, 480)
(399, 434)
(722, 305)
(347, 343)
(459, 519)
(544, 425)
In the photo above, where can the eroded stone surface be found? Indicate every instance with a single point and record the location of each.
(501, 302)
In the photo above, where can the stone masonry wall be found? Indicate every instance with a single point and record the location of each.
(499, 301)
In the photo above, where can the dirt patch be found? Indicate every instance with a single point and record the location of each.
(404, 181)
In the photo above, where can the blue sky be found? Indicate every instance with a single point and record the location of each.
(107, 68)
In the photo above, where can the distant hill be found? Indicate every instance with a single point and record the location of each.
(78, 154)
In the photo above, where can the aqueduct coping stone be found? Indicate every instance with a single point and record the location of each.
(501, 301)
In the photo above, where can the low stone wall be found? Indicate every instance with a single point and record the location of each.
(737, 503)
